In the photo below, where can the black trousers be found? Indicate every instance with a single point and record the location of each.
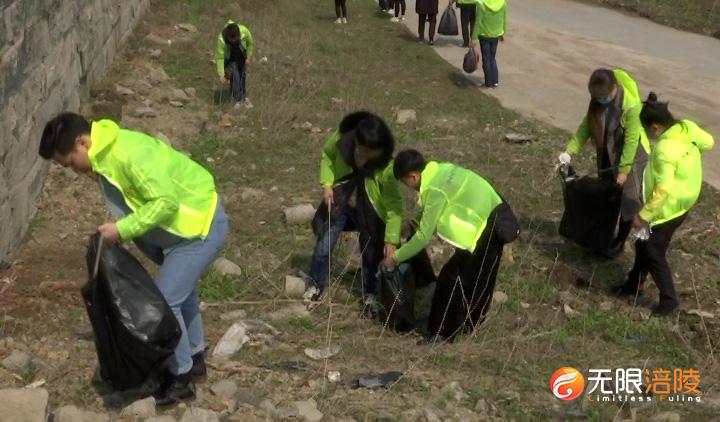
(432, 20)
(341, 8)
(465, 287)
(467, 21)
(400, 7)
(650, 258)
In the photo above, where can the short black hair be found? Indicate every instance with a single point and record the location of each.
(231, 31)
(60, 133)
(408, 161)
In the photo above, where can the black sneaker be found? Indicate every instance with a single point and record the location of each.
(664, 309)
(199, 370)
(625, 290)
(174, 390)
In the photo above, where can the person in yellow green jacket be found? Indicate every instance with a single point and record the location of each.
(490, 27)
(613, 123)
(163, 201)
(468, 14)
(235, 48)
(466, 212)
(673, 180)
(359, 193)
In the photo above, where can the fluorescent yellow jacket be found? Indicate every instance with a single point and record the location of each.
(456, 203)
(382, 189)
(634, 133)
(468, 1)
(163, 188)
(673, 178)
(491, 19)
(222, 52)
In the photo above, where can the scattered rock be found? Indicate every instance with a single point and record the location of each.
(264, 59)
(299, 214)
(462, 414)
(485, 407)
(337, 100)
(431, 416)
(144, 408)
(123, 91)
(226, 267)
(405, 116)
(283, 413)
(248, 194)
(177, 104)
(606, 306)
(164, 418)
(187, 27)
(323, 353)
(155, 53)
(316, 130)
(157, 39)
(73, 414)
(196, 414)
(666, 417)
(144, 112)
(306, 126)
(226, 120)
(701, 313)
(17, 362)
(21, 404)
(333, 376)
(233, 315)
(500, 298)
(569, 312)
(241, 333)
(455, 391)
(524, 305)
(179, 95)
(294, 286)
(297, 310)
(157, 75)
(225, 389)
(267, 406)
(191, 92)
(518, 138)
(308, 410)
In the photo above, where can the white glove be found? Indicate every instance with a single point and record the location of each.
(564, 158)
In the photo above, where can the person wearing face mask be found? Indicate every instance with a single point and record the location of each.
(613, 123)
(359, 193)
(673, 180)
(235, 47)
(468, 213)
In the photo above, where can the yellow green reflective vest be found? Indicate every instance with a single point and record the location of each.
(163, 187)
(455, 202)
(382, 189)
(221, 50)
(673, 178)
(490, 19)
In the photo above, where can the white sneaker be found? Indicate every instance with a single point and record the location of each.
(344, 20)
(402, 18)
(394, 19)
(390, 11)
(248, 104)
(312, 294)
(338, 20)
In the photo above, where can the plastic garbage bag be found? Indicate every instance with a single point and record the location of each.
(592, 209)
(397, 297)
(470, 61)
(134, 328)
(385, 379)
(448, 22)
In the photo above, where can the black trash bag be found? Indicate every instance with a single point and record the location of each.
(592, 210)
(470, 61)
(135, 329)
(397, 297)
(448, 22)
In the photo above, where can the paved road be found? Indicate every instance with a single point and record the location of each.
(552, 46)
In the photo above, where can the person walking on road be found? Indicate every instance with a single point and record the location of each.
(490, 27)
(427, 11)
(400, 7)
(341, 11)
(468, 14)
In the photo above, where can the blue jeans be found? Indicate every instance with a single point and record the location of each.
(488, 49)
(319, 267)
(182, 263)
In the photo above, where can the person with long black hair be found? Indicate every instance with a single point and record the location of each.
(613, 123)
(673, 181)
(359, 194)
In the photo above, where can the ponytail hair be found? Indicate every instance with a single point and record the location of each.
(656, 112)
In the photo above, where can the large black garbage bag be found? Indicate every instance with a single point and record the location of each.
(592, 209)
(448, 22)
(135, 330)
(470, 61)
